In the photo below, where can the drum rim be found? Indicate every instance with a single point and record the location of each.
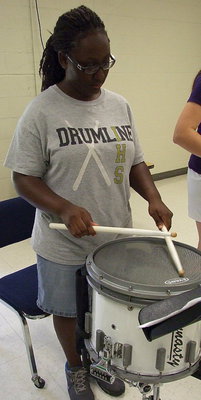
(102, 279)
(146, 239)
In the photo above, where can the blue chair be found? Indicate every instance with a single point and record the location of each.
(18, 290)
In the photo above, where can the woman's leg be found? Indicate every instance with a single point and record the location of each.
(65, 330)
(199, 234)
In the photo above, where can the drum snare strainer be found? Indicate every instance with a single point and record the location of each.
(125, 275)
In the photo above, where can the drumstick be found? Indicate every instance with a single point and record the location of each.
(173, 252)
(121, 231)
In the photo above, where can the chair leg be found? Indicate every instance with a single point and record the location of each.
(37, 380)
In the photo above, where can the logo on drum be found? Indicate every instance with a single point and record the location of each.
(176, 350)
(176, 280)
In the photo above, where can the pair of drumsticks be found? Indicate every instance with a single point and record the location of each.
(140, 232)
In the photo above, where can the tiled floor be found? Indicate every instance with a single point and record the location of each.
(14, 371)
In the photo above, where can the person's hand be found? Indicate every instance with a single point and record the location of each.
(161, 214)
(78, 221)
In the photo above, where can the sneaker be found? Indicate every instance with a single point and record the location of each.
(114, 389)
(78, 384)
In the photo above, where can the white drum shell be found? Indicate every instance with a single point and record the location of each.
(120, 322)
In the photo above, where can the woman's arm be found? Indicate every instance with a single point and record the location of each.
(141, 181)
(78, 220)
(185, 134)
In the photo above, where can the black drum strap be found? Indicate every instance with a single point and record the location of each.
(164, 308)
(82, 303)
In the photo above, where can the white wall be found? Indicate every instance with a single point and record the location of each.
(157, 45)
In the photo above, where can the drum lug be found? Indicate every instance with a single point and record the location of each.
(100, 337)
(108, 347)
(88, 322)
(190, 352)
(127, 355)
(118, 350)
(160, 359)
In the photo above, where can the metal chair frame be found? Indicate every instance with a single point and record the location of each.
(18, 217)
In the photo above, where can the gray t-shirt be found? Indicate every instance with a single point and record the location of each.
(83, 150)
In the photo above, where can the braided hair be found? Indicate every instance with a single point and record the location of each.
(71, 25)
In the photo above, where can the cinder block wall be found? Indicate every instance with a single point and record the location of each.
(157, 45)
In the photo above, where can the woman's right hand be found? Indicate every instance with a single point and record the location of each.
(78, 221)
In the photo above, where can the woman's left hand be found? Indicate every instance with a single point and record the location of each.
(160, 213)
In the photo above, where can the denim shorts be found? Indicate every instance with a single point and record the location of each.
(57, 287)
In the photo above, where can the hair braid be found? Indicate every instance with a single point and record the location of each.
(71, 25)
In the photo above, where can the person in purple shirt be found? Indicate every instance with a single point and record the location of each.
(187, 134)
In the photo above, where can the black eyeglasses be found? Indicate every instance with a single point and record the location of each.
(92, 69)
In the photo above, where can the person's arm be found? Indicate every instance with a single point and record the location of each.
(78, 220)
(142, 182)
(185, 134)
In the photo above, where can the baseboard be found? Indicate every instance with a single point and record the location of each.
(169, 174)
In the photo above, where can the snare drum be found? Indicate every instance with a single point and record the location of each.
(125, 275)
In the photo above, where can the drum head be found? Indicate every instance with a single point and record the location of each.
(142, 268)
